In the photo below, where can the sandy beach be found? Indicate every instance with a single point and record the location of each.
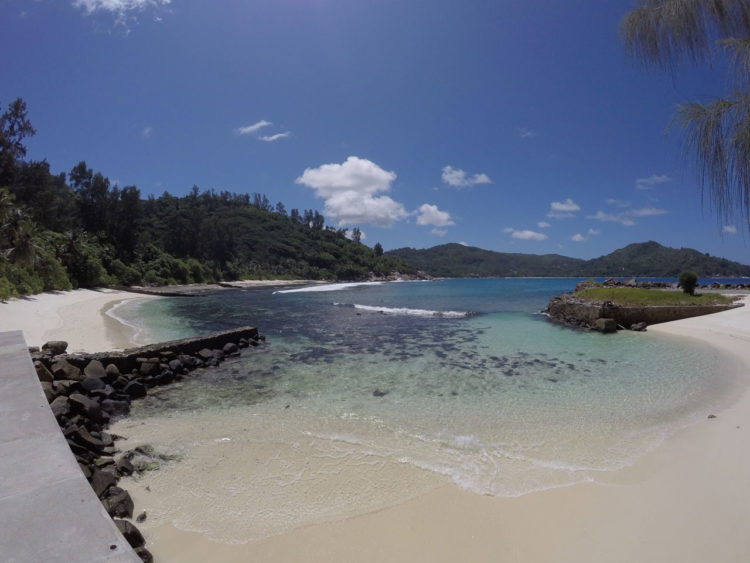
(687, 501)
(79, 317)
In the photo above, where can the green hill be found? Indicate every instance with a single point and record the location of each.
(648, 259)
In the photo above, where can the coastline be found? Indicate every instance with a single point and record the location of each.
(78, 317)
(688, 501)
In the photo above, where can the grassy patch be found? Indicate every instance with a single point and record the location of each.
(641, 297)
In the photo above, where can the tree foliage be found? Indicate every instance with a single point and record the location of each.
(82, 231)
(717, 133)
(688, 281)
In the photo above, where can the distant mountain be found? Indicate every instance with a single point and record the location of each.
(647, 259)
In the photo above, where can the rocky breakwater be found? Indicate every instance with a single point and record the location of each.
(88, 391)
(606, 316)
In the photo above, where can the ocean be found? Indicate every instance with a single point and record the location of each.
(366, 395)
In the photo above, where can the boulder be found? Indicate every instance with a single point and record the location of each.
(112, 371)
(149, 368)
(176, 365)
(95, 369)
(60, 407)
(205, 354)
(101, 481)
(119, 505)
(85, 406)
(49, 391)
(135, 389)
(62, 369)
(83, 438)
(115, 408)
(124, 467)
(144, 554)
(130, 533)
(56, 347)
(42, 372)
(230, 349)
(605, 325)
(638, 327)
(89, 384)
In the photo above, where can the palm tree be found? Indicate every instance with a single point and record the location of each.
(717, 134)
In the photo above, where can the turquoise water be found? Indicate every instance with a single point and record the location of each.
(462, 380)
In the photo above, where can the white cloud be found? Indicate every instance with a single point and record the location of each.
(524, 235)
(462, 243)
(439, 232)
(578, 237)
(729, 229)
(651, 181)
(431, 215)
(459, 179)
(613, 217)
(252, 129)
(119, 8)
(349, 190)
(594, 232)
(526, 133)
(276, 137)
(147, 132)
(647, 212)
(618, 202)
(543, 225)
(350, 235)
(563, 209)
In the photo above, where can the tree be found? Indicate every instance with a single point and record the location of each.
(378, 249)
(716, 134)
(14, 127)
(688, 281)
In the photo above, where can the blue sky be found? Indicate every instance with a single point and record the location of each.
(512, 126)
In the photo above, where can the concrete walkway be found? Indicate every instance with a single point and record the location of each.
(48, 511)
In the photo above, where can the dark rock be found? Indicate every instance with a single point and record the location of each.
(135, 389)
(84, 438)
(711, 416)
(33, 349)
(212, 363)
(119, 505)
(205, 354)
(379, 393)
(165, 377)
(89, 383)
(230, 348)
(101, 481)
(56, 346)
(104, 462)
(112, 372)
(187, 361)
(130, 533)
(60, 407)
(149, 368)
(62, 369)
(124, 467)
(83, 405)
(65, 387)
(106, 392)
(42, 372)
(85, 470)
(95, 369)
(175, 365)
(115, 408)
(144, 554)
(605, 325)
(141, 517)
(638, 327)
(49, 391)
(120, 382)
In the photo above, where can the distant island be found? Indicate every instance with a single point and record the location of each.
(647, 259)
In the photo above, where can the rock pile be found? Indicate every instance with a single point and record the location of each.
(88, 391)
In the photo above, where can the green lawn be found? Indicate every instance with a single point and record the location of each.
(636, 296)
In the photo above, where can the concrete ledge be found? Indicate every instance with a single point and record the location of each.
(48, 511)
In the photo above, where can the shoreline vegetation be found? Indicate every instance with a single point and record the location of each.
(683, 501)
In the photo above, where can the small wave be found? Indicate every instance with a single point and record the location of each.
(326, 287)
(409, 312)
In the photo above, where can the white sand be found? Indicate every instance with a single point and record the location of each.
(688, 501)
(78, 317)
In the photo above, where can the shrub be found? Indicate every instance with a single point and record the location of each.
(6, 290)
(688, 281)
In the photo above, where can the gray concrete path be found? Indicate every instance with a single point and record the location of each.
(48, 511)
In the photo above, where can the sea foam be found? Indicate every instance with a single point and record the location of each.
(326, 287)
(408, 312)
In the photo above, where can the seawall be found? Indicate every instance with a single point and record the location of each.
(49, 511)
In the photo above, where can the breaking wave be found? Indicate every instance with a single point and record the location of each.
(326, 287)
(404, 311)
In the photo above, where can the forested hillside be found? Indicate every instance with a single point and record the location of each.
(648, 259)
(78, 230)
